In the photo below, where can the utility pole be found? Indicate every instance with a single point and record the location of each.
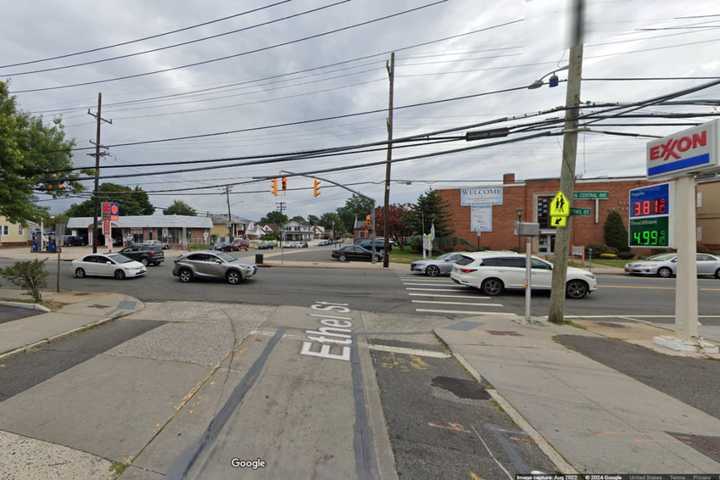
(386, 209)
(567, 177)
(96, 211)
(229, 226)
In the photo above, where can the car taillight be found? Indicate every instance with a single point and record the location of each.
(468, 270)
(151, 254)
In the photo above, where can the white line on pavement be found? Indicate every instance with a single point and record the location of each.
(461, 312)
(408, 351)
(474, 297)
(454, 289)
(459, 303)
(619, 315)
(430, 284)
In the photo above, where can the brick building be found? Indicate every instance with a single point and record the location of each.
(708, 213)
(529, 201)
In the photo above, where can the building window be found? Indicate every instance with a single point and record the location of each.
(6, 230)
(543, 211)
(20, 229)
(699, 199)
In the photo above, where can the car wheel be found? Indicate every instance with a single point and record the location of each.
(144, 261)
(492, 287)
(185, 275)
(717, 273)
(432, 271)
(343, 258)
(79, 273)
(119, 275)
(576, 289)
(664, 272)
(233, 277)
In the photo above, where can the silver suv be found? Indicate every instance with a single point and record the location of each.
(212, 265)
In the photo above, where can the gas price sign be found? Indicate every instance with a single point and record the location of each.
(649, 212)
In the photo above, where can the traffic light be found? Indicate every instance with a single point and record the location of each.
(284, 183)
(316, 187)
(275, 187)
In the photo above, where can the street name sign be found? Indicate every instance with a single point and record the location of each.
(590, 195)
(688, 151)
(650, 216)
(580, 212)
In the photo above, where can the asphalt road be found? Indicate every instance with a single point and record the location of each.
(11, 313)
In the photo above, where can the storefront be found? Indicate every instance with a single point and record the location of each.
(485, 216)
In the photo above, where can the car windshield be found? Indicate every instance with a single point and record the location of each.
(226, 257)
(662, 257)
(117, 258)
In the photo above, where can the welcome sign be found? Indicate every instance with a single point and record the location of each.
(482, 195)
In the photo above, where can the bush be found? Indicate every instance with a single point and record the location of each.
(615, 233)
(29, 275)
(626, 255)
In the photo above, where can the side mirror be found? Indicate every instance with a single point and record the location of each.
(108, 263)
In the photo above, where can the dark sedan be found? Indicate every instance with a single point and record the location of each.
(145, 254)
(354, 252)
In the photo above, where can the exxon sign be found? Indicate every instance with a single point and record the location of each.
(692, 150)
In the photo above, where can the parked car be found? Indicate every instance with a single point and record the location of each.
(211, 264)
(324, 243)
(157, 243)
(147, 254)
(266, 245)
(433, 267)
(355, 252)
(379, 244)
(110, 265)
(494, 272)
(665, 265)
(295, 245)
(220, 246)
(73, 241)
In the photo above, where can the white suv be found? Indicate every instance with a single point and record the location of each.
(493, 272)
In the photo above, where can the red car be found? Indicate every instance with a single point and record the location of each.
(237, 245)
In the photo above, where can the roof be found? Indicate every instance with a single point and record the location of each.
(221, 219)
(147, 221)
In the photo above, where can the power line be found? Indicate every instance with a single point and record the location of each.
(128, 42)
(235, 55)
(175, 45)
(631, 79)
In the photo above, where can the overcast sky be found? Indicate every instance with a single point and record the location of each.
(504, 57)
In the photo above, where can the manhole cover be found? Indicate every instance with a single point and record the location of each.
(611, 324)
(510, 333)
(461, 388)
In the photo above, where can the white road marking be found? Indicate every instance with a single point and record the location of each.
(461, 312)
(408, 351)
(474, 297)
(455, 289)
(459, 303)
(427, 279)
(634, 316)
(430, 284)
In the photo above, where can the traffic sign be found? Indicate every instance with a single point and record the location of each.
(590, 195)
(560, 206)
(580, 212)
(558, 222)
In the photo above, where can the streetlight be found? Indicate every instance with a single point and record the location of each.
(553, 82)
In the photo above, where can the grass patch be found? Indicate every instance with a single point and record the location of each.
(117, 468)
(404, 255)
(600, 262)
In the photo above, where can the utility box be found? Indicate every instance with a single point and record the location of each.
(527, 229)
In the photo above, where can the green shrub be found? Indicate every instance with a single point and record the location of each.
(615, 233)
(29, 275)
(626, 255)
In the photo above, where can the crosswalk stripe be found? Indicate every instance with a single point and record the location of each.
(432, 284)
(455, 289)
(468, 304)
(424, 279)
(474, 297)
(461, 312)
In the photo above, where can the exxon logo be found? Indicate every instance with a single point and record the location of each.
(675, 146)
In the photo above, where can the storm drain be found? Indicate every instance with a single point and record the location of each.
(509, 333)
(705, 444)
(467, 389)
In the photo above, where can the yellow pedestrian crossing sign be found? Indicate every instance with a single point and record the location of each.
(560, 206)
(558, 222)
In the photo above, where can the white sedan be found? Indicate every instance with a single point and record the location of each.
(493, 272)
(107, 265)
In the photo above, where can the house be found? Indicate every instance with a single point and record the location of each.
(13, 234)
(255, 231)
(221, 231)
(319, 232)
(176, 230)
(361, 229)
(297, 232)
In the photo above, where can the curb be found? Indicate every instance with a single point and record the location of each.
(27, 306)
(560, 463)
(59, 336)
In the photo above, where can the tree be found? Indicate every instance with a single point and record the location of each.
(298, 218)
(30, 275)
(29, 150)
(430, 209)
(274, 218)
(332, 223)
(179, 207)
(313, 220)
(131, 201)
(400, 222)
(615, 233)
(355, 206)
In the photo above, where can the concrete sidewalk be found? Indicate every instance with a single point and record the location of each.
(585, 415)
(77, 310)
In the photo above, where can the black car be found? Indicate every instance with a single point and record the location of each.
(379, 244)
(73, 241)
(145, 254)
(355, 252)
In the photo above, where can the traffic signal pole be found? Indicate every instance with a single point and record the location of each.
(567, 177)
(97, 155)
(386, 214)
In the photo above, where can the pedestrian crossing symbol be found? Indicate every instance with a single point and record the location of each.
(560, 206)
(558, 222)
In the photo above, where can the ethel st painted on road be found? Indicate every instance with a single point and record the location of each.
(335, 334)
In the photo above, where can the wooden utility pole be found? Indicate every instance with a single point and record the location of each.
(96, 211)
(567, 177)
(227, 196)
(386, 209)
